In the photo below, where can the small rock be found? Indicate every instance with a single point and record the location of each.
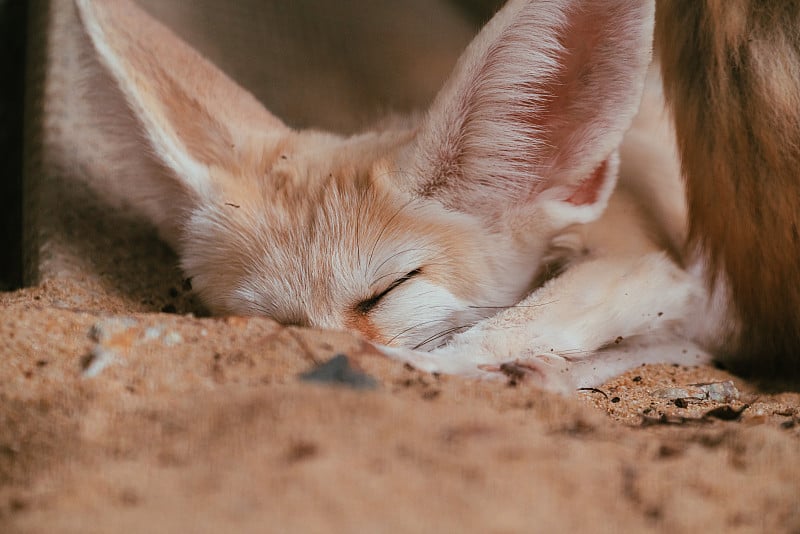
(97, 360)
(152, 333)
(173, 338)
(720, 391)
(715, 391)
(338, 371)
(673, 393)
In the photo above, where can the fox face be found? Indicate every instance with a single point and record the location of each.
(340, 243)
(408, 234)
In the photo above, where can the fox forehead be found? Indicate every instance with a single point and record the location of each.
(304, 230)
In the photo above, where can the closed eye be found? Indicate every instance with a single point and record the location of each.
(365, 306)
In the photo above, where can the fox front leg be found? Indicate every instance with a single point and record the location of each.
(598, 319)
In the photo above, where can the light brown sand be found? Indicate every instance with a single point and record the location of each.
(202, 425)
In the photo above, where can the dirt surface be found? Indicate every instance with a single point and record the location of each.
(166, 422)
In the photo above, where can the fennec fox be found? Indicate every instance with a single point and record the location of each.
(491, 231)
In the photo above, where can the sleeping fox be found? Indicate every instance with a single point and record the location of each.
(533, 217)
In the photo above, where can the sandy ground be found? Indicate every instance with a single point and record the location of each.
(141, 421)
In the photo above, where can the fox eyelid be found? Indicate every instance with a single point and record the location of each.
(365, 306)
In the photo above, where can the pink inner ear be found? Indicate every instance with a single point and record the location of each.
(588, 190)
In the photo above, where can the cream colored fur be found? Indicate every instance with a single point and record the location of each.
(444, 237)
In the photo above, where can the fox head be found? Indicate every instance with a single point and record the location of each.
(406, 234)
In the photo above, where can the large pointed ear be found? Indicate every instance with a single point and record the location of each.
(536, 109)
(193, 117)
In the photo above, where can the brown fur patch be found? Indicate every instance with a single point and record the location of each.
(732, 75)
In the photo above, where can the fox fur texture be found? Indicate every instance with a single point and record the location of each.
(731, 71)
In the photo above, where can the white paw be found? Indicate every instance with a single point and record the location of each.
(546, 371)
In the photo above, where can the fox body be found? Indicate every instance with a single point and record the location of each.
(515, 221)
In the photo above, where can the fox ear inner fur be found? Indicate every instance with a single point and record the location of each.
(536, 109)
(194, 119)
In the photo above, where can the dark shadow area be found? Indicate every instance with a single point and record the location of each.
(766, 379)
(135, 270)
(479, 11)
(12, 70)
